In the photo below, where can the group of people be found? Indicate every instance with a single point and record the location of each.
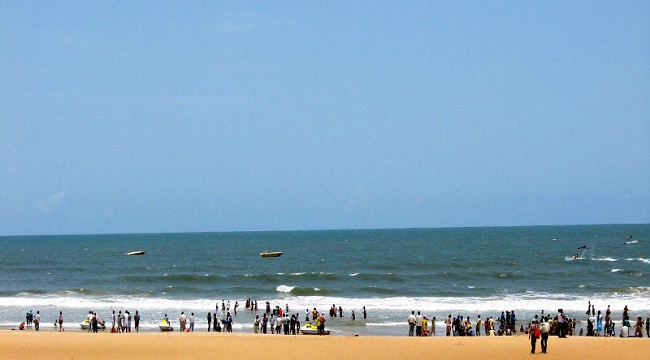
(122, 323)
(31, 320)
(93, 323)
(278, 324)
(560, 325)
(182, 321)
(597, 326)
(421, 325)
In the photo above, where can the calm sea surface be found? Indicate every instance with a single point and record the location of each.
(466, 271)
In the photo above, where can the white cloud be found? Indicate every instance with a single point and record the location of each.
(47, 206)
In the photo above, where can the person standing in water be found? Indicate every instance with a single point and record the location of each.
(136, 319)
(61, 321)
(37, 320)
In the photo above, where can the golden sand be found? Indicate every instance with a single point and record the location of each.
(81, 345)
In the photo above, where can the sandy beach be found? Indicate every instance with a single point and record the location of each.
(80, 345)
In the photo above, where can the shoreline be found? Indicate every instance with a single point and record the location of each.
(150, 345)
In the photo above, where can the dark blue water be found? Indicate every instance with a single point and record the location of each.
(391, 272)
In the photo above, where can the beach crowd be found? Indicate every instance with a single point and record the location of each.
(280, 320)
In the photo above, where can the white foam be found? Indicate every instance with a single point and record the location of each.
(284, 288)
(616, 270)
(636, 297)
(355, 274)
(606, 259)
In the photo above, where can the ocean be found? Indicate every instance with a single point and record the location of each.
(458, 271)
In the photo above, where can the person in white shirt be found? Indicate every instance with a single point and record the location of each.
(90, 321)
(37, 320)
(192, 323)
(418, 325)
(123, 323)
(545, 327)
(411, 321)
(182, 320)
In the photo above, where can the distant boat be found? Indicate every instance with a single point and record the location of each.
(267, 254)
(140, 252)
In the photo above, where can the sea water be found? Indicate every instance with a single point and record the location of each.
(439, 272)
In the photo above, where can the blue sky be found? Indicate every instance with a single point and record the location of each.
(165, 116)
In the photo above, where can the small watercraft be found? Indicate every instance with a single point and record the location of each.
(267, 254)
(139, 252)
(100, 325)
(165, 326)
(310, 329)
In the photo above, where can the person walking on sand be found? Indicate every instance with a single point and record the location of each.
(411, 321)
(545, 328)
(533, 334)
